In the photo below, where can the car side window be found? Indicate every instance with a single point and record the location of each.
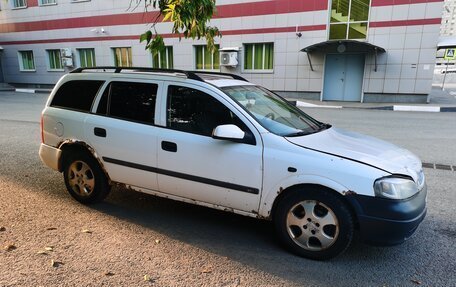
(76, 95)
(130, 101)
(193, 111)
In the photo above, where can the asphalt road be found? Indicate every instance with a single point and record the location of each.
(130, 235)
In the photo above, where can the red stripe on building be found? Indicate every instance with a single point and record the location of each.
(274, 30)
(136, 37)
(269, 7)
(79, 22)
(32, 3)
(375, 3)
(432, 21)
(223, 11)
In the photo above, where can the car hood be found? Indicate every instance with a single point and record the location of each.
(362, 148)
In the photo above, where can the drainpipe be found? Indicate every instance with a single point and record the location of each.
(375, 51)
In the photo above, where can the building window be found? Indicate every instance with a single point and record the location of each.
(55, 60)
(87, 58)
(259, 56)
(349, 19)
(205, 60)
(122, 57)
(47, 2)
(26, 61)
(19, 3)
(164, 59)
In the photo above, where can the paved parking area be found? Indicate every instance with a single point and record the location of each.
(132, 237)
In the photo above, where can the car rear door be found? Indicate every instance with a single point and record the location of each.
(196, 166)
(122, 130)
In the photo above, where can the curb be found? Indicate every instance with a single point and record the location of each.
(33, 91)
(395, 108)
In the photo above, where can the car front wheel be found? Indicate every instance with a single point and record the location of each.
(314, 223)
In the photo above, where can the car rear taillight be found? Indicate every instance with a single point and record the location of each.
(42, 128)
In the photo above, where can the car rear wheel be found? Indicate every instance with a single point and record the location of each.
(84, 179)
(314, 223)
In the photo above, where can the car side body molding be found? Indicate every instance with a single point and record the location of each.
(185, 176)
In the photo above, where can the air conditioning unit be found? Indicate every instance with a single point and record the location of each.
(67, 62)
(228, 58)
(67, 57)
(66, 52)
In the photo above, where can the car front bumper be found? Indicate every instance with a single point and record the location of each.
(389, 222)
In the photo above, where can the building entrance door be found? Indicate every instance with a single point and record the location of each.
(343, 80)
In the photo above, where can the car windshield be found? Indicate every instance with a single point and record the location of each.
(273, 112)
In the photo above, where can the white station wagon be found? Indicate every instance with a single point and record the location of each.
(217, 140)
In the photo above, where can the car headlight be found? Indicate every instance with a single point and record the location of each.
(421, 180)
(395, 187)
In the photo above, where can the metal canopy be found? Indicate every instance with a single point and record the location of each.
(343, 46)
(446, 42)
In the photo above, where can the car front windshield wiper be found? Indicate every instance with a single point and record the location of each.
(300, 133)
(321, 127)
(324, 126)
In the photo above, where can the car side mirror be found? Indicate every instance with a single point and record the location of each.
(228, 132)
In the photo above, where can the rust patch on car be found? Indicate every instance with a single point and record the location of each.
(349, 192)
(280, 190)
(90, 149)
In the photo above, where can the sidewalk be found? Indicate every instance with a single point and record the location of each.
(8, 88)
(439, 101)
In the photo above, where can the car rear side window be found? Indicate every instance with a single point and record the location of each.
(129, 101)
(76, 95)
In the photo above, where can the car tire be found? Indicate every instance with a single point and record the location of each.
(84, 179)
(313, 222)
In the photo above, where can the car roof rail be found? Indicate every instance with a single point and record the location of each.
(234, 76)
(193, 75)
(189, 75)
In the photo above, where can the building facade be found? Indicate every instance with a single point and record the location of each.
(448, 27)
(447, 40)
(345, 50)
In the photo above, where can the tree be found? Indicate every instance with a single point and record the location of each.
(190, 18)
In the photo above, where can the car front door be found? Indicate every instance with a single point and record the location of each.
(198, 167)
(122, 131)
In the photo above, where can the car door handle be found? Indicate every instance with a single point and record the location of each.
(169, 146)
(99, 132)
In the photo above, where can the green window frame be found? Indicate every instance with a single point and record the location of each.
(164, 59)
(349, 19)
(87, 57)
(26, 61)
(122, 57)
(205, 60)
(19, 3)
(259, 57)
(55, 59)
(48, 2)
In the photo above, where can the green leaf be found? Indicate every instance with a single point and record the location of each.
(146, 36)
(190, 19)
